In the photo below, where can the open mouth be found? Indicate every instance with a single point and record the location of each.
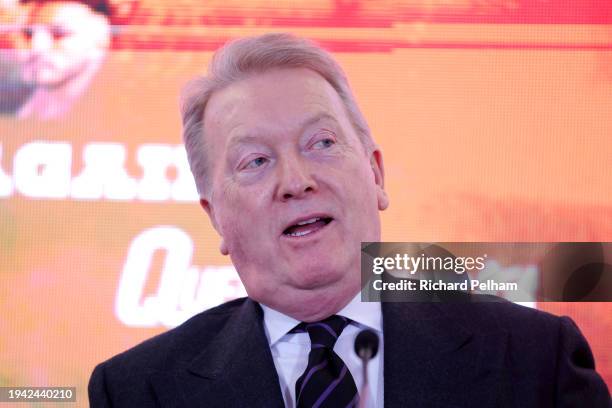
(306, 227)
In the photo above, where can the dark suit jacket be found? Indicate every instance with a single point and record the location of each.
(489, 354)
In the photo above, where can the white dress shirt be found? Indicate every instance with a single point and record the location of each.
(290, 350)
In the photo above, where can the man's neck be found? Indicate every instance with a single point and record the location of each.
(312, 306)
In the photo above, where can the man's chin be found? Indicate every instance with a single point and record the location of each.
(317, 278)
(45, 81)
(45, 77)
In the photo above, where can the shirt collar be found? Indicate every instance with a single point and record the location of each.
(364, 314)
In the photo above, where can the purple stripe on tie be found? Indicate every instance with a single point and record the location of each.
(330, 388)
(309, 374)
(354, 402)
(326, 327)
(316, 346)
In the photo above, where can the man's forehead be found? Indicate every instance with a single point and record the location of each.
(65, 13)
(290, 97)
(256, 133)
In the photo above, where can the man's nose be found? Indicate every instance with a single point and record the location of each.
(42, 40)
(295, 179)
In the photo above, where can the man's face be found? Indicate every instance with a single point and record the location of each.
(292, 190)
(61, 40)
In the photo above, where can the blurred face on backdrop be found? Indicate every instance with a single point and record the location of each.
(293, 191)
(61, 41)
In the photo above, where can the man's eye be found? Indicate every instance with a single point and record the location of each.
(257, 162)
(28, 32)
(58, 33)
(324, 143)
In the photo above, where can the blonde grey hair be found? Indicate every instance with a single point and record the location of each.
(244, 57)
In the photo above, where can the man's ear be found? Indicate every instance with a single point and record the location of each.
(205, 204)
(378, 168)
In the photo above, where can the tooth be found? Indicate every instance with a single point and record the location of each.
(310, 221)
(299, 234)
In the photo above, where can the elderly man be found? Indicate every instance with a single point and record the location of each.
(292, 181)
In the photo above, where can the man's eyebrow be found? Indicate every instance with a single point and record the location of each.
(242, 138)
(317, 118)
(245, 138)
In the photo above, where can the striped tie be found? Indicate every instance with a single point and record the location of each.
(327, 382)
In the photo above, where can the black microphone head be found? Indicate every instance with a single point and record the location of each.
(366, 344)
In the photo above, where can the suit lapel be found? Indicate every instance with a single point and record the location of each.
(431, 360)
(235, 370)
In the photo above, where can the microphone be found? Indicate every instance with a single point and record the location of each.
(366, 347)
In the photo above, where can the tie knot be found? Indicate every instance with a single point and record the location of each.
(325, 332)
